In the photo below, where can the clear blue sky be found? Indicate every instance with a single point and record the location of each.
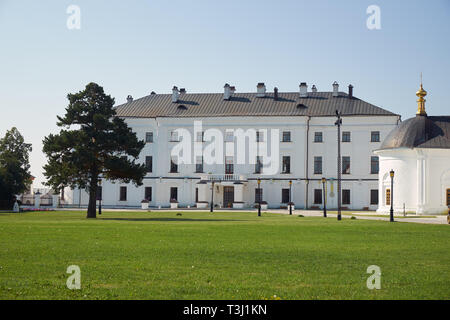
(134, 47)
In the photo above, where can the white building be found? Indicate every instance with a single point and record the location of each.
(307, 149)
(418, 152)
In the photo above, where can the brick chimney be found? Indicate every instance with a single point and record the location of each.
(129, 98)
(350, 91)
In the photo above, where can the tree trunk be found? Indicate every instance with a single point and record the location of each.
(92, 206)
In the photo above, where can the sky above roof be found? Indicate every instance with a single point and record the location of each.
(135, 47)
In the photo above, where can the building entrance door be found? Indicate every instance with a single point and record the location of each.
(228, 197)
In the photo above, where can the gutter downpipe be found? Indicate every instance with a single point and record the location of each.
(307, 163)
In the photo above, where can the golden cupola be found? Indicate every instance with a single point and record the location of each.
(421, 101)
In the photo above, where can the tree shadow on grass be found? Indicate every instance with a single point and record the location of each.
(169, 219)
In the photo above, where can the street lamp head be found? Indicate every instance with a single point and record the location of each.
(290, 182)
(391, 173)
(259, 181)
(324, 180)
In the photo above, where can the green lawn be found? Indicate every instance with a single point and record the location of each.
(229, 255)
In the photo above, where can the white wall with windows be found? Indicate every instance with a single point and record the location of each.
(298, 137)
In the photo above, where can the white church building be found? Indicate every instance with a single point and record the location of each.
(307, 150)
(418, 152)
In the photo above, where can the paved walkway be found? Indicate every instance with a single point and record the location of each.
(369, 215)
(365, 215)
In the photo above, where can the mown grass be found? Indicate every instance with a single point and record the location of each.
(229, 255)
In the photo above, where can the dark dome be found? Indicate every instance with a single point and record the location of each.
(420, 132)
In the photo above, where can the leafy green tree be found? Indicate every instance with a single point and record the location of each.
(92, 143)
(15, 177)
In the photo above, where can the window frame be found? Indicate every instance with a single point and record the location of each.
(372, 193)
(147, 167)
(346, 134)
(316, 161)
(345, 193)
(372, 162)
(229, 165)
(348, 171)
(316, 196)
(288, 166)
(285, 193)
(316, 135)
(286, 136)
(123, 195)
(376, 134)
(146, 194)
(147, 135)
(173, 190)
(173, 166)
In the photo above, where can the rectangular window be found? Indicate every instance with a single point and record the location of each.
(173, 165)
(258, 195)
(199, 164)
(123, 194)
(374, 165)
(285, 195)
(174, 136)
(259, 136)
(448, 197)
(174, 194)
(149, 137)
(317, 165)
(345, 196)
(286, 136)
(345, 165)
(149, 163)
(375, 136)
(388, 197)
(318, 137)
(317, 196)
(200, 136)
(258, 164)
(196, 194)
(229, 136)
(286, 164)
(229, 169)
(374, 196)
(148, 193)
(346, 136)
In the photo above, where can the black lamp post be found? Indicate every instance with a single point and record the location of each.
(259, 198)
(391, 218)
(290, 197)
(212, 197)
(99, 195)
(324, 181)
(338, 123)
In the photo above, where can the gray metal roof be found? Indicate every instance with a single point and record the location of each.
(247, 104)
(420, 132)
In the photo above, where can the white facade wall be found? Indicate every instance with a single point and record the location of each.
(360, 181)
(421, 180)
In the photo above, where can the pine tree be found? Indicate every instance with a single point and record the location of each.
(92, 143)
